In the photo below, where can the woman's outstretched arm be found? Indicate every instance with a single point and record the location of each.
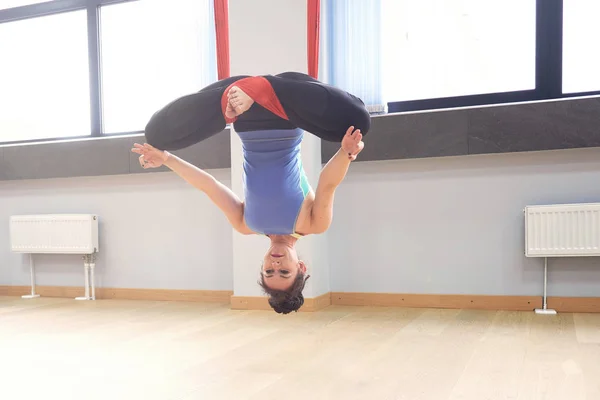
(221, 195)
(332, 175)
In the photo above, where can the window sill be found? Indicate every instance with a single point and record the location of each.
(95, 156)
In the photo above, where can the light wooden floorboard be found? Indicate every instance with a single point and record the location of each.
(118, 349)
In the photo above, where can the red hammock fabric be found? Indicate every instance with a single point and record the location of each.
(221, 9)
(313, 26)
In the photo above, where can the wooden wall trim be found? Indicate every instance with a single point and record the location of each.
(575, 304)
(521, 303)
(482, 302)
(210, 296)
(261, 303)
(249, 303)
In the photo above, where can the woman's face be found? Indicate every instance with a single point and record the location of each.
(281, 266)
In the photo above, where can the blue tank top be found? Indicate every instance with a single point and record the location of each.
(275, 183)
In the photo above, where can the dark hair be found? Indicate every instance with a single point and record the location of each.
(286, 301)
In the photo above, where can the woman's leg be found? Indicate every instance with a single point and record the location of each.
(320, 109)
(189, 119)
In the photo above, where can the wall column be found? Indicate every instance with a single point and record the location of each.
(269, 37)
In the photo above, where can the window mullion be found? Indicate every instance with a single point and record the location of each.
(93, 32)
(549, 48)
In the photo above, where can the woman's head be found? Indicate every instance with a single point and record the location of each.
(283, 275)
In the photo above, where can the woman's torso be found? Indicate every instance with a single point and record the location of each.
(277, 193)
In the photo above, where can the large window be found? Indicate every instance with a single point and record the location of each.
(4, 4)
(446, 48)
(152, 52)
(581, 51)
(44, 80)
(76, 68)
(450, 53)
(430, 54)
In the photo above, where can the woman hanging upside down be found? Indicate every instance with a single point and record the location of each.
(269, 113)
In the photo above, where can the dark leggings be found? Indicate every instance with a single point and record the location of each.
(323, 110)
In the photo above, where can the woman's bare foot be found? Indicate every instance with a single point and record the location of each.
(239, 102)
(229, 111)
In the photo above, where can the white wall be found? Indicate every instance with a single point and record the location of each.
(447, 225)
(256, 27)
(156, 232)
(455, 225)
(271, 42)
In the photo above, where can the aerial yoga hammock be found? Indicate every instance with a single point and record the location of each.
(270, 114)
(285, 101)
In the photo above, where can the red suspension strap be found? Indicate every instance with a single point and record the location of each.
(221, 10)
(313, 27)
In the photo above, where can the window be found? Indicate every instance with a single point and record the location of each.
(581, 53)
(153, 52)
(4, 4)
(447, 48)
(44, 78)
(76, 68)
(432, 54)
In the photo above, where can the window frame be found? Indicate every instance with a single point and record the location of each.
(93, 8)
(548, 70)
(93, 33)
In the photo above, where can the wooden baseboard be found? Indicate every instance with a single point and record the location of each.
(319, 302)
(262, 303)
(515, 303)
(209, 296)
(575, 304)
(519, 303)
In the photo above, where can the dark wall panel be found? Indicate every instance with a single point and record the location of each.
(214, 152)
(3, 167)
(550, 125)
(419, 135)
(66, 159)
(107, 156)
(537, 126)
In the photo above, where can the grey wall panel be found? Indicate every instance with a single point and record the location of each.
(106, 156)
(536, 126)
(3, 167)
(562, 124)
(417, 135)
(67, 159)
(548, 125)
(212, 153)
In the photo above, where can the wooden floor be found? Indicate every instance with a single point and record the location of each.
(110, 349)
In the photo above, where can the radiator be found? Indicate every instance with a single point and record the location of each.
(57, 234)
(562, 230)
(54, 233)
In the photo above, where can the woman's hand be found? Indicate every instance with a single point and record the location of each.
(150, 157)
(352, 143)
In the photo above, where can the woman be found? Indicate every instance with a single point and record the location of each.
(269, 114)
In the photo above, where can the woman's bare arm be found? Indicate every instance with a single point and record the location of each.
(331, 176)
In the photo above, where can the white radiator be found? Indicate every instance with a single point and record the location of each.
(562, 230)
(57, 234)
